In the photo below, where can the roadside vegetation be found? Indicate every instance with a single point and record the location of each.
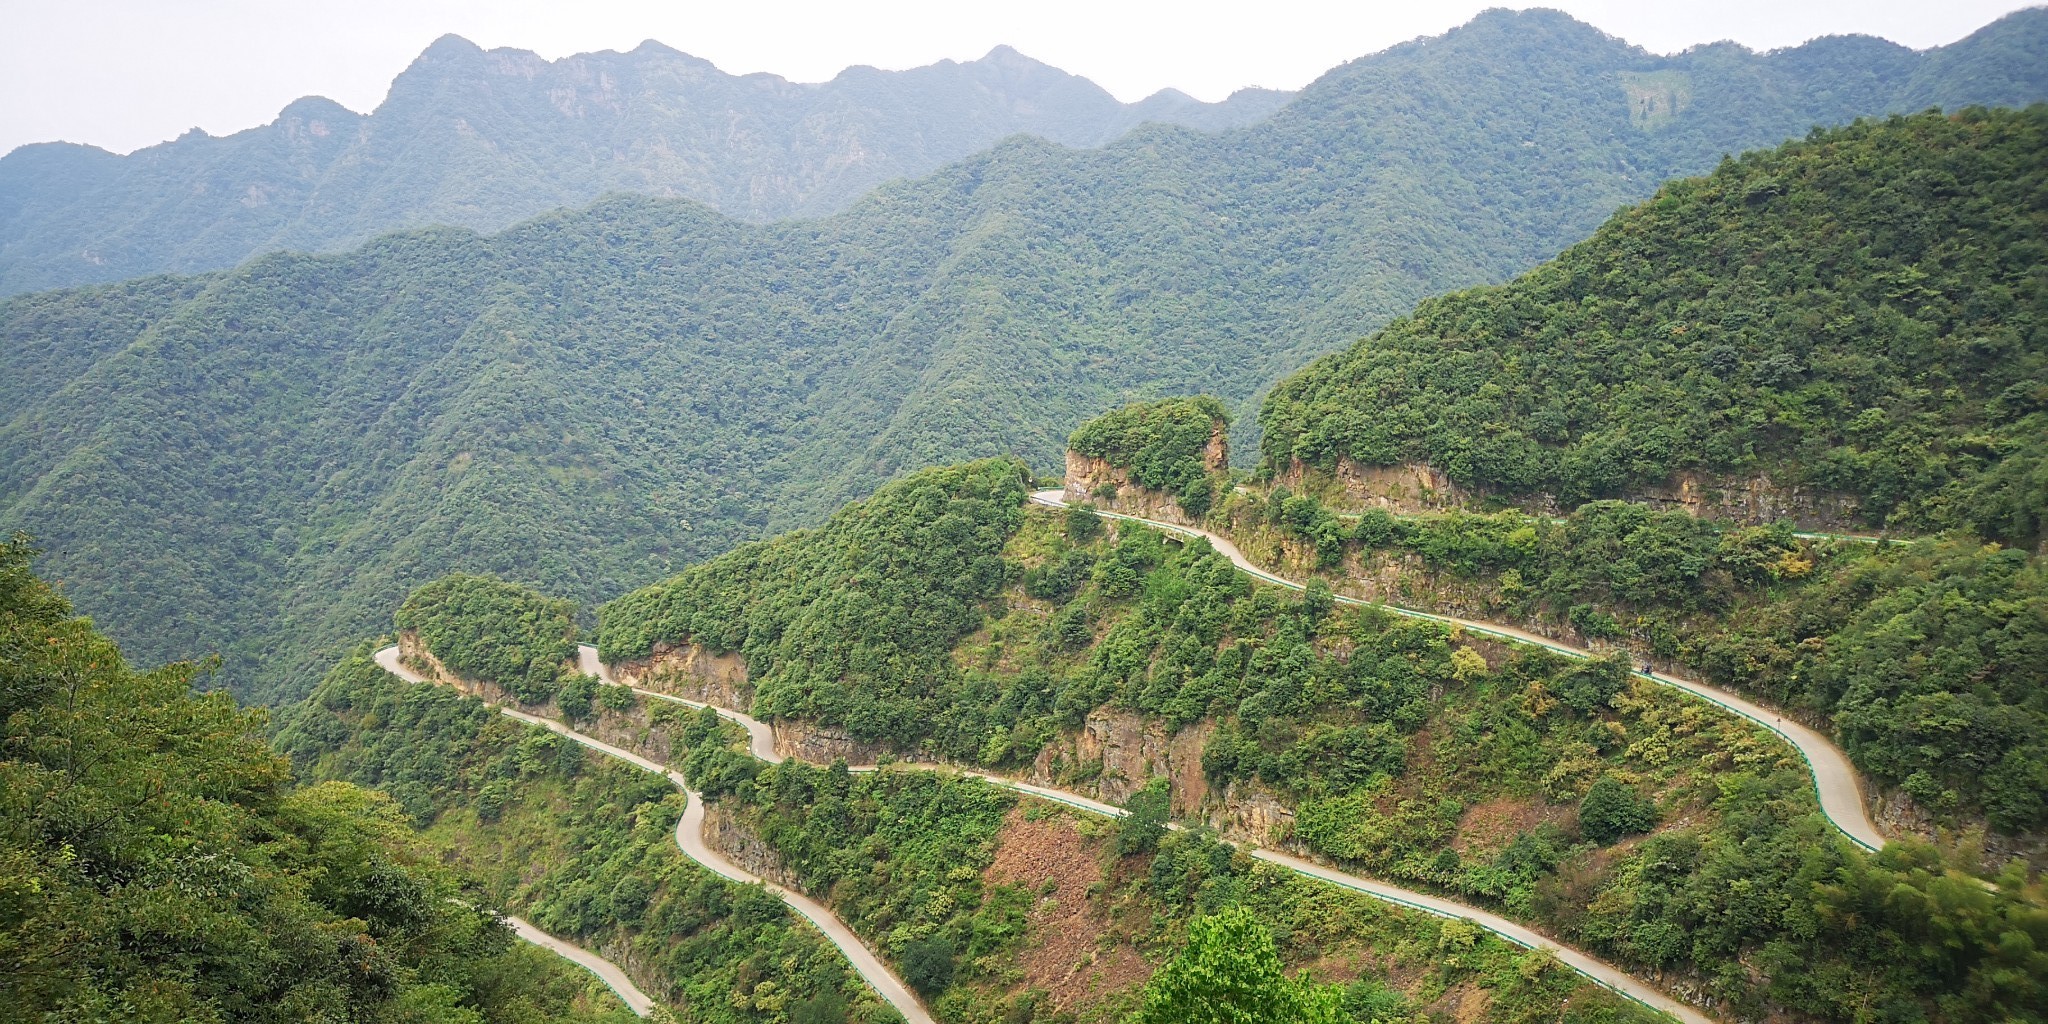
(1926, 658)
(577, 843)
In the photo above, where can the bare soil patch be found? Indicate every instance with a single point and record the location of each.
(1072, 952)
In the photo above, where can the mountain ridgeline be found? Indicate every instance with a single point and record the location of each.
(264, 460)
(483, 139)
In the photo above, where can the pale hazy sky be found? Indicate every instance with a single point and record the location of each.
(127, 73)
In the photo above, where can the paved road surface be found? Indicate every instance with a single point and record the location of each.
(1835, 781)
(690, 837)
(608, 972)
(1834, 778)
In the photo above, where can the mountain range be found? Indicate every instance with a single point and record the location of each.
(261, 462)
(485, 138)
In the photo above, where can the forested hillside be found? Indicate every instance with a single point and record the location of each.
(1637, 822)
(159, 863)
(266, 459)
(482, 139)
(1862, 314)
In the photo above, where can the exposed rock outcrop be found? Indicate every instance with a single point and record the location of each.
(413, 651)
(724, 833)
(690, 670)
(799, 740)
(1418, 487)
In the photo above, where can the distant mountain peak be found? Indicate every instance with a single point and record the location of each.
(451, 44)
(310, 108)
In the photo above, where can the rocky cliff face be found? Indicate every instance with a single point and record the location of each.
(692, 671)
(413, 652)
(1756, 499)
(724, 833)
(1412, 487)
(823, 744)
(1416, 487)
(1133, 749)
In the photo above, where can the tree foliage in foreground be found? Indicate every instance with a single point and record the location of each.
(157, 863)
(1229, 973)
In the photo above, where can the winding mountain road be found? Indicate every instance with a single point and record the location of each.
(1834, 779)
(1835, 782)
(761, 743)
(690, 838)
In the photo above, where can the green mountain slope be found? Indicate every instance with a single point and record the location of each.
(1862, 315)
(1616, 813)
(574, 841)
(263, 460)
(483, 139)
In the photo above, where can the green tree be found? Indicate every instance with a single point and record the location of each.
(1145, 817)
(1230, 973)
(928, 964)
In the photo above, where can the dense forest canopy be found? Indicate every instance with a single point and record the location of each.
(483, 139)
(265, 461)
(852, 622)
(158, 862)
(1863, 312)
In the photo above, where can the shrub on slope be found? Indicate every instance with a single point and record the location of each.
(158, 864)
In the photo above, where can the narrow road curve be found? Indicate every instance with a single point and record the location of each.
(1835, 780)
(606, 971)
(690, 838)
(761, 743)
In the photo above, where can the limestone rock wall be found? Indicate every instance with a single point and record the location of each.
(822, 744)
(1417, 487)
(724, 833)
(1354, 486)
(690, 670)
